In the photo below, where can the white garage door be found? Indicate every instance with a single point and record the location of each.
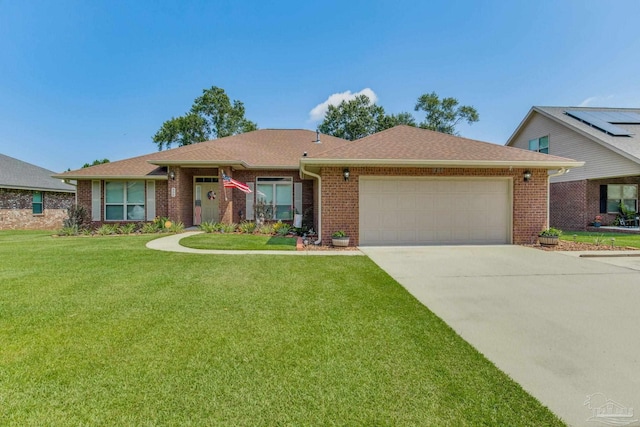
(410, 211)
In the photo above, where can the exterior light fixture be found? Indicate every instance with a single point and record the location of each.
(172, 175)
(527, 175)
(345, 174)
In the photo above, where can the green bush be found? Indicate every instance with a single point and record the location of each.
(247, 227)
(69, 231)
(107, 229)
(126, 228)
(549, 232)
(228, 228)
(265, 229)
(149, 228)
(283, 229)
(176, 227)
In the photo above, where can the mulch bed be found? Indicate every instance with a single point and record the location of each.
(564, 245)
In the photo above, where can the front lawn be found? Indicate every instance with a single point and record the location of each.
(232, 241)
(102, 331)
(621, 239)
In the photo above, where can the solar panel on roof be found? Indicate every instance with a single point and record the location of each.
(601, 121)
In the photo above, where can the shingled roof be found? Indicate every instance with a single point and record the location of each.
(260, 149)
(17, 174)
(412, 146)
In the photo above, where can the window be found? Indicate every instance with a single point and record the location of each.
(36, 204)
(541, 145)
(626, 194)
(277, 196)
(124, 200)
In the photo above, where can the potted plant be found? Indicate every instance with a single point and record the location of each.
(597, 222)
(340, 238)
(550, 236)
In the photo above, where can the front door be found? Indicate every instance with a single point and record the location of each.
(205, 202)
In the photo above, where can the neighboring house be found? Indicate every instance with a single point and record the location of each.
(607, 140)
(30, 198)
(404, 185)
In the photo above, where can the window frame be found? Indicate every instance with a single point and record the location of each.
(286, 181)
(538, 149)
(621, 200)
(125, 204)
(35, 204)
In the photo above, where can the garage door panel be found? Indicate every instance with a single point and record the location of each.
(396, 211)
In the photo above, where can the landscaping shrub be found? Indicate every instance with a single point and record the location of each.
(247, 227)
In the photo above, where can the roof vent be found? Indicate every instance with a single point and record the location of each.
(317, 141)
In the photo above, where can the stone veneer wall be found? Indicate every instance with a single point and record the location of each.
(16, 211)
(340, 198)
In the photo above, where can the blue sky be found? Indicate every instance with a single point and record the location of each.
(86, 80)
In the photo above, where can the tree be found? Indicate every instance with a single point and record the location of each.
(395, 120)
(211, 116)
(95, 162)
(443, 115)
(353, 119)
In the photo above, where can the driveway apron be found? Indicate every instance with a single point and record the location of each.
(565, 328)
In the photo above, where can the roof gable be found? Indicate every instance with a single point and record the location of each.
(17, 174)
(627, 144)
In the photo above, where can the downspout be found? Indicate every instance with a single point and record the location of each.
(304, 172)
(561, 171)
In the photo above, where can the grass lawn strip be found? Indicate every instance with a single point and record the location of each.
(621, 239)
(229, 241)
(102, 331)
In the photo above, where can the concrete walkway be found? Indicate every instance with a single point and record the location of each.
(563, 327)
(172, 244)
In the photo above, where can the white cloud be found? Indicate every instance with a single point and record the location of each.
(318, 112)
(602, 100)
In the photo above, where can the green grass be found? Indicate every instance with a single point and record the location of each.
(621, 239)
(102, 331)
(239, 242)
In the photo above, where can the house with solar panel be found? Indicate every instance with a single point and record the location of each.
(30, 198)
(608, 141)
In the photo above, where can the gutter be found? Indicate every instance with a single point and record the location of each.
(561, 171)
(305, 172)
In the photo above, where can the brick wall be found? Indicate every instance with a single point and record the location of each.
(340, 199)
(568, 205)
(16, 212)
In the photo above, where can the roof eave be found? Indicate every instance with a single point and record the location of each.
(52, 190)
(138, 177)
(543, 164)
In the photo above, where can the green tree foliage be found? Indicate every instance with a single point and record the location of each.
(359, 117)
(212, 115)
(442, 115)
(95, 162)
(353, 119)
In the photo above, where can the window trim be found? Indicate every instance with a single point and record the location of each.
(621, 200)
(288, 181)
(40, 203)
(124, 202)
(537, 141)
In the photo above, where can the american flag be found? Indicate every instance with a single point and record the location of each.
(231, 183)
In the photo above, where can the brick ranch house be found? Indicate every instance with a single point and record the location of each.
(401, 186)
(30, 199)
(607, 140)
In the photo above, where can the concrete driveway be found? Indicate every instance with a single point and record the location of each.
(563, 327)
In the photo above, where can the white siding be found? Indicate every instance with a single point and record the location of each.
(600, 162)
